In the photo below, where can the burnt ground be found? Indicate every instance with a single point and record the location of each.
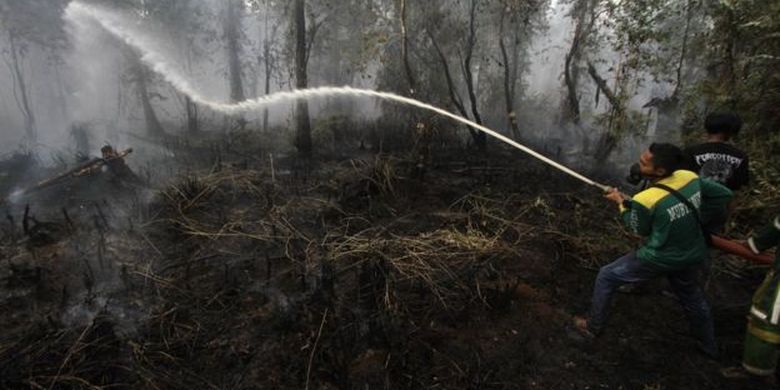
(367, 272)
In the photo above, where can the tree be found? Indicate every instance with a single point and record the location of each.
(232, 31)
(584, 14)
(518, 17)
(405, 49)
(140, 77)
(466, 45)
(21, 90)
(29, 25)
(186, 21)
(303, 128)
(268, 57)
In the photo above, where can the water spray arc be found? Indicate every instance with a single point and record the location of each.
(79, 12)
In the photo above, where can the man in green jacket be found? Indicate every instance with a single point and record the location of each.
(763, 329)
(668, 214)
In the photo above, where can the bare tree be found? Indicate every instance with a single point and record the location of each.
(268, 58)
(232, 29)
(303, 134)
(20, 88)
(465, 64)
(584, 15)
(480, 138)
(31, 28)
(451, 89)
(608, 140)
(405, 50)
(140, 77)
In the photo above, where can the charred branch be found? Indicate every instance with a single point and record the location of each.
(454, 97)
(604, 87)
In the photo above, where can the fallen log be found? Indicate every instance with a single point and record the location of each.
(86, 168)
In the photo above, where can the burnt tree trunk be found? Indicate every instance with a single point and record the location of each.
(456, 100)
(267, 85)
(192, 115)
(571, 76)
(585, 18)
(608, 141)
(604, 87)
(405, 51)
(303, 131)
(141, 78)
(268, 65)
(153, 126)
(683, 51)
(480, 138)
(510, 79)
(231, 28)
(20, 89)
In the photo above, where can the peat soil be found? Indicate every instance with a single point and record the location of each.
(368, 272)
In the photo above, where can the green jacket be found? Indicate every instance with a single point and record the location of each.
(674, 238)
(765, 312)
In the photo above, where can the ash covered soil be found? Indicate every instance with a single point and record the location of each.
(372, 272)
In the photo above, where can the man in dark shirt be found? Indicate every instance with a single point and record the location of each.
(717, 159)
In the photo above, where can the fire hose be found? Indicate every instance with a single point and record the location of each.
(736, 248)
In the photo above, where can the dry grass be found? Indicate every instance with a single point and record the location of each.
(221, 244)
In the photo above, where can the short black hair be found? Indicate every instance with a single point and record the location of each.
(723, 123)
(667, 156)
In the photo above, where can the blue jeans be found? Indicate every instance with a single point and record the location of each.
(684, 282)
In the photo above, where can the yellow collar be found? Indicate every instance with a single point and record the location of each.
(651, 196)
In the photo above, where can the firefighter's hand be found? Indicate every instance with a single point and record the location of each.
(616, 196)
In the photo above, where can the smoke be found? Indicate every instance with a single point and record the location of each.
(138, 36)
(549, 52)
(81, 13)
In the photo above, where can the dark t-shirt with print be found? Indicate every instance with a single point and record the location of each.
(721, 162)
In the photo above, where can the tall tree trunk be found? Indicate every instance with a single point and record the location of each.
(190, 108)
(454, 97)
(405, 51)
(608, 141)
(729, 73)
(141, 78)
(62, 98)
(480, 138)
(153, 126)
(267, 86)
(303, 136)
(571, 77)
(584, 17)
(232, 27)
(268, 67)
(192, 115)
(22, 99)
(683, 51)
(510, 79)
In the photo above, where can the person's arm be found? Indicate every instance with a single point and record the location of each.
(715, 199)
(715, 194)
(766, 238)
(635, 216)
(741, 179)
